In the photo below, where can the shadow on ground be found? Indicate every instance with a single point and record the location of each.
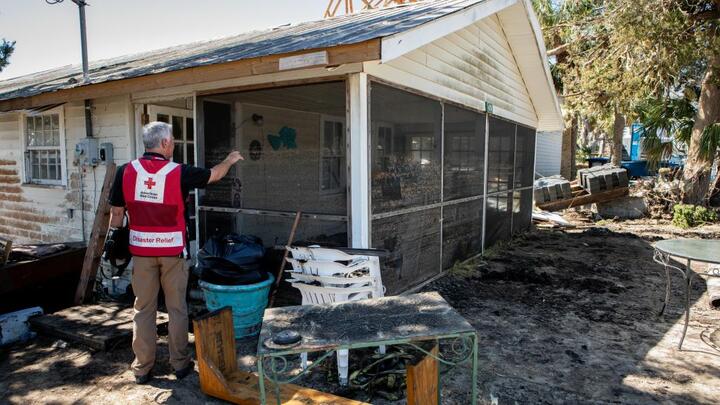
(571, 317)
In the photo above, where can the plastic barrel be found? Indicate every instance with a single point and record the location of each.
(248, 303)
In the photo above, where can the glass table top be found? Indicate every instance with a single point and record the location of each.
(703, 250)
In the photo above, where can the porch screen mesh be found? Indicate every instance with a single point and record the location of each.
(428, 182)
(294, 143)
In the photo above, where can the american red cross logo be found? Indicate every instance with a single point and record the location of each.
(150, 183)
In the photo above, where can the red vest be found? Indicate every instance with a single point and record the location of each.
(155, 207)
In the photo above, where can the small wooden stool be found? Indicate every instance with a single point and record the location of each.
(219, 374)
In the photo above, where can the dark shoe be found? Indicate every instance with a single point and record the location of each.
(142, 379)
(183, 372)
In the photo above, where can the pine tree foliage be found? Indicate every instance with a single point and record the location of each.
(6, 49)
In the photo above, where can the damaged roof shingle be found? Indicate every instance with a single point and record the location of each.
(343, 30)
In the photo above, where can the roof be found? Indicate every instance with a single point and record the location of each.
(337, 31)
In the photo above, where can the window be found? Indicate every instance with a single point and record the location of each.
(462, 154)
(332, 170)
(423, 149)
(44, 155)
(182, 128)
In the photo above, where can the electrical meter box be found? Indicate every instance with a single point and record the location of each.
(86, 152)
(106, 153)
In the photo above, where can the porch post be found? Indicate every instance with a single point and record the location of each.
(359, 164)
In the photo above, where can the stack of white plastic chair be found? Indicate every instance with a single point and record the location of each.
(329, 275)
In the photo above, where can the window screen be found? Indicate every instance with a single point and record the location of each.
(406, 144)
(522, 210)
(501, 155)
(499, 217)
(414, 243)
(464, 153)
(524, 157)
(462, 231)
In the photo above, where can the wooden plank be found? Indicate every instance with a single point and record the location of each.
(7, 248)
(97, 239)
(220, 377)
(99, 327)
(423, 381)
(339, 55)
(280, 272)
(585, 199)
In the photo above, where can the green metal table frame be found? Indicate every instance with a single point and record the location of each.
(464, 346)
(705, 251)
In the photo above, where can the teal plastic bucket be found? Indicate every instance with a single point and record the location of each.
(248, 303)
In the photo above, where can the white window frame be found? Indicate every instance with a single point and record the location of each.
(463, 163)
(343, 172)
(26, 170)
(154, 110)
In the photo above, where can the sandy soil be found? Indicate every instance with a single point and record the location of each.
(563, 316)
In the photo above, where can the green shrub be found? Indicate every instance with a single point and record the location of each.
(689, 216)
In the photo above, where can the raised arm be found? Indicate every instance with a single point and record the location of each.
(220, 170)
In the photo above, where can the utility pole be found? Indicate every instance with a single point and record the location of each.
(83, 34)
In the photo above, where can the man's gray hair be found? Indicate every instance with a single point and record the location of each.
(155, 132)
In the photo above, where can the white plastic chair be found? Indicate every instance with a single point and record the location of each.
(322, 278)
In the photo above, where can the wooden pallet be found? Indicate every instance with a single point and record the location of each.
(581, 197)
(99, 327)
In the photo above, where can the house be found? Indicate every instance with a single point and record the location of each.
(548, 151)
(410, 128)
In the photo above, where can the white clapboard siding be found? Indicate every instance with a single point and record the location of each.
(548, 150)
(35, 213)
(471, 66)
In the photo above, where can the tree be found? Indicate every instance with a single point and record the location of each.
(594, 80)
(621, 53)
(675, 45)
(6, 49)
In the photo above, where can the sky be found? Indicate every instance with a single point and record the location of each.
(48, 36)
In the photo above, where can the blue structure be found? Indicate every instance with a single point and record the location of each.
(636, 134)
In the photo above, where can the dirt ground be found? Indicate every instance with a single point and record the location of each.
(563, 316)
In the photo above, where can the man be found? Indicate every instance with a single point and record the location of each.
(153, 190)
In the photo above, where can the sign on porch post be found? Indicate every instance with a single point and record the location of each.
(359, 160)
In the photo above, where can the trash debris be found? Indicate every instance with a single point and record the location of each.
(544, 216)
(59, 344)
(661, 194)
(713, 286)
(14, 326)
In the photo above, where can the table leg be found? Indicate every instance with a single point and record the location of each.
(261, 380)
(276, 384)
(667, 291)
(474, 369)
(688, 285)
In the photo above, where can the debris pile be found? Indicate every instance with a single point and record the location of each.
(661, 193)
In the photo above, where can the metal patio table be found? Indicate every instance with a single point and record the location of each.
(398, 320)
(688, 250)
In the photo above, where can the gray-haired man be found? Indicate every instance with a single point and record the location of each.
(154, 192)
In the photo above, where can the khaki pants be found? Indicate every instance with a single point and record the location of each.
(148, 274)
